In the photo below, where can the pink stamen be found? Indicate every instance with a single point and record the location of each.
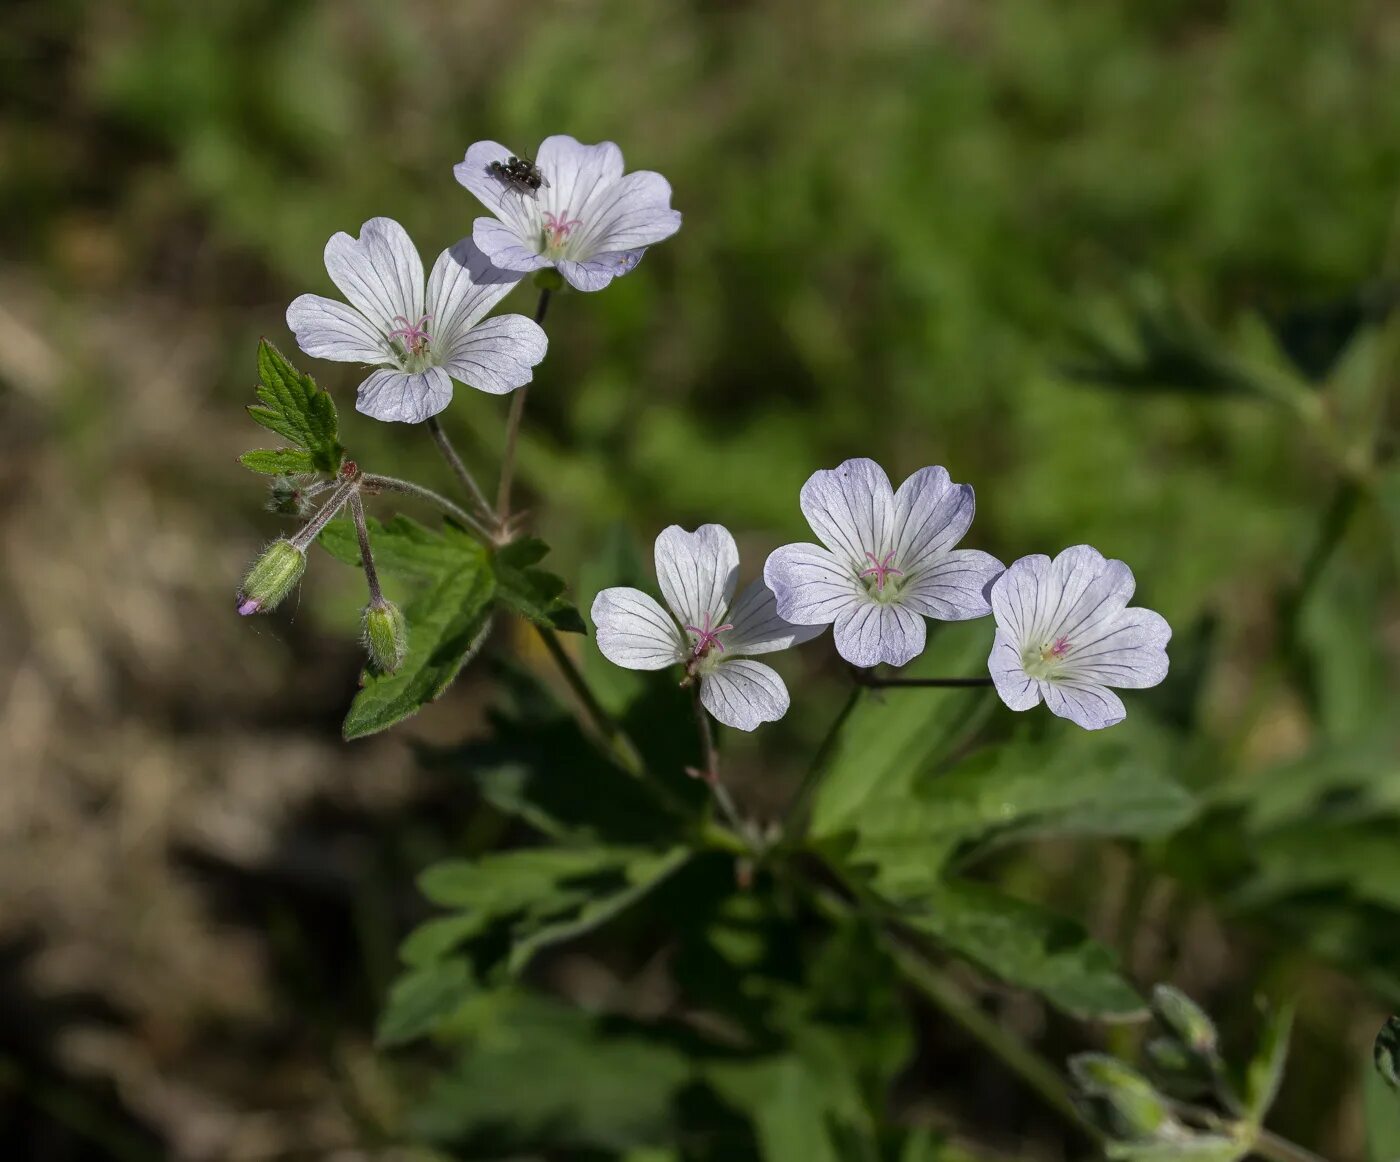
(1060, 648)
(558, 227)
(707, 637)
(414, 335)
(881, 570)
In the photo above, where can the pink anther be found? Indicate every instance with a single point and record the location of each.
(414, 335)
(881, 569)
(1059, 649)
(559, 227)
(707, 637)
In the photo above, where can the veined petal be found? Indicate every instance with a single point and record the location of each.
(698, 572)
(810, 585)
(631, 213)
(758, 627)
(632, 630)
(507, 248)
(578, 174)
(405, 397)
(952, 586)
(462, 289)
(1018, 595)
(932, 514)
(1087, 591)
(744, 694)
(1017, 688)
(379, 272)
(870, 632)
(597, 272)
(518, 210)
(1129, 652)
(851, 508)
(498, 355)
(326, 329)
(1090, 706)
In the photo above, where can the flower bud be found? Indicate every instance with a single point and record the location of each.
(1120, 1099)
(385, 635)
(271, 578)
(1185, 1019)
(286, 496)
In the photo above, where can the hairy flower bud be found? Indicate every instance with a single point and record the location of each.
(1120, 1099)
(1185, 1019)
(271, 578)
(287, 496)
(385, 635)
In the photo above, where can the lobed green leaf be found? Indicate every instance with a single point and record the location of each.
(296, 409)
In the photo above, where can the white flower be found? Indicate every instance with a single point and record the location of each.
(710, 632)
(420, 345)
(888, 563)
(1065, 634)
(572, 208)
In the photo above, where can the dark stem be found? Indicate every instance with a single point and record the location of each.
(517, 414)
(459, 469)
(357, 513)
(408, 488)
(866, 678)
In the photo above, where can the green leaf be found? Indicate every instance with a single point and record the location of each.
(508, 881)
(1026, 946)
(533, 593)
(419, 1000)
(1264, 1074)
(447, 618)
(296, 409)
(277, 461)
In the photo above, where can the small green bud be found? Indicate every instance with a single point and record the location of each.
(286, 496)
(271, 578)
(1388, 1052)
(549, 279)
(1185, 1019)
(1123, 1101)
(385, 635)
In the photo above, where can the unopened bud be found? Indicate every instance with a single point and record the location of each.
(385, 635)
(1121, 1099)
(1185, 1019)
(287, 496)
(271, 578)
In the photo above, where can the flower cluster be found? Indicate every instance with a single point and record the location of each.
(888, 559)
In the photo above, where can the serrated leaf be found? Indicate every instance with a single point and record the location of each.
(447, 621)
(1026, 946)
(419, 1000)
(534, 593)
(296, 409)
(1264, 1074)
(278, 461)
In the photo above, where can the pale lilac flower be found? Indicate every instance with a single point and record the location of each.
(706, 630)
(889, 561)
(1065, 633)
(587, 217)
(420, 344)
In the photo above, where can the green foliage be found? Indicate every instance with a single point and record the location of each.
(297, 410)
(447, 616)
(531, 592)
(1264, 1073)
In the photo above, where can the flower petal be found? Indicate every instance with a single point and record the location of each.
(405, 397)
(851, 508)
(462, 289)
(327, 329)
(758, 628)
(698, 572)
(633, 212)
(932, 515)
(870, 632)
(379, 272)
(1017, 688)
(497, 356)
(1017, 595)
(579, 175)
(1129, 653)
(1092, 707)
(632, 630)
(810, 585)
(506, 249)
(516, 209)
(952, 587)
(597, 272)
(744, 694)
(1089, 591)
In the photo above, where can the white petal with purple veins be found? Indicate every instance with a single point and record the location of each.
(1017, 688)
(810, 585)
(504, 246)
(932, 515)
(952, 587)
(851, 508)
(1092, 707)
(632, 630)
(759, 628)
(326, 329)
(405, 397)
(744, 694)
(1128, 652)
(871, 632)
(698, 572)
(600, 270)
(379, 272)
(632, 213)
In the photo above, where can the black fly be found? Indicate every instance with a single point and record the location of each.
(520, 174)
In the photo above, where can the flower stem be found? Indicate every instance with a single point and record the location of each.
(313, 527)
(517, 414)
(866, 678)
(710, 772)
(357, 513)
(1267, 1144)
(797, 808)
(459, 469)
(408, 488)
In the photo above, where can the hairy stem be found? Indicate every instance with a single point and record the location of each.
(357, 513)
(313, 527)
(408, 488)
(710, 772)
(517, 414)
(459, 469)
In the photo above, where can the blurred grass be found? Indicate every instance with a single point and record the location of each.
(900, 221)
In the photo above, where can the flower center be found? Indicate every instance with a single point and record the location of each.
(881, 570)
(413, 337)
(556, 229)
(1045, 662)
(707, 637)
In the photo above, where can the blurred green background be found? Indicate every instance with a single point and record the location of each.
(1068, 250)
